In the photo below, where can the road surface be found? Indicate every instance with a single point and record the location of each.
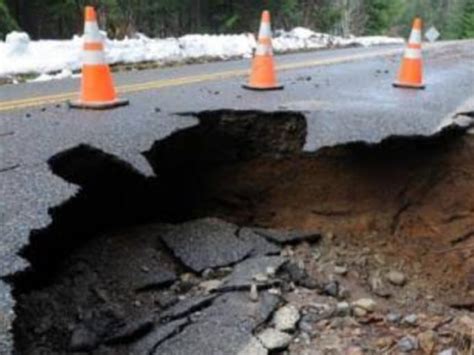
(346, 96)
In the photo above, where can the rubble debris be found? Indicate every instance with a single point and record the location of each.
(396, 278)
(293, 272)
(285, 318)
(408, 344)
(273, 339)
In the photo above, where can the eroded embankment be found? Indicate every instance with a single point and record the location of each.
(410, 200)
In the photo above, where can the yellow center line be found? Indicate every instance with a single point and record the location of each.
(163, 83)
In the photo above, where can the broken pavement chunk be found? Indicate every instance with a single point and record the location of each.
(146, 345)
(187, 306)
(207, 243)
(287, 237)
(261, 246)
(224, 328)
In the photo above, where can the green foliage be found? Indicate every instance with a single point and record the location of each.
(467, 20)
(380, 15)
(63, 18)
(7, 23)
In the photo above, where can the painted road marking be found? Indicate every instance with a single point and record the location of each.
(159, 84)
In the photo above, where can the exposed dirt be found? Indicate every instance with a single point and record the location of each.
(404, 205)
(411, 200)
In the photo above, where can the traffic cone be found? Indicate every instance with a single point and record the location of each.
(263, 76)
(97, 87)
(411, 71)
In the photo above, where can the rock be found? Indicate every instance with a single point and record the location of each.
(210, 285)
(410, 319)
(393, 318)
(254, 347)
(207, 243)
(340, 270)
(294, 272)
(253, 293)
(285, 318)
(273, 339)
(354, 350)
(343, 309)
(465, 325)
(378, 287)
(305, 324)
(408, 344)
(366, 304)
(331, 289)
(427, 341)
(83, 339)
(359, 312)
(384, 342)
(450, 351)
(396, 278)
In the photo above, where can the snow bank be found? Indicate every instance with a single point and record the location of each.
(20, 55)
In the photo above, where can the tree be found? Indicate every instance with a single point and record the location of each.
(467, 20)
(64, 18)
(7, 23)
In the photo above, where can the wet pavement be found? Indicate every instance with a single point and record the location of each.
(343, 102)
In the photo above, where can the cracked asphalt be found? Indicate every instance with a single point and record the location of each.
(346, 96)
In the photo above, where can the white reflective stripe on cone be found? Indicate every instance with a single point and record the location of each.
(265, 30)
(91, 32)
(263, 49)
(412, 53)
(415, 37)
(93, 58)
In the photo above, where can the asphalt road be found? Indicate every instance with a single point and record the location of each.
(346, 95)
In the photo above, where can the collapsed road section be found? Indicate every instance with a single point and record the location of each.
(69, 179)
(352, 248)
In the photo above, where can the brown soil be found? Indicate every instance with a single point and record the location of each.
(411, 201)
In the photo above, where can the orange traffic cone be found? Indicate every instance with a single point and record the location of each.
(411, 71)
(97, 88)
(263, 75)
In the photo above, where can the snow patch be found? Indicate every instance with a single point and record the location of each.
(20, 55)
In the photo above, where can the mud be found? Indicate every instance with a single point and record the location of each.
(405, 204)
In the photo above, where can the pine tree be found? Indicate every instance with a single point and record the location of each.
(467, 21)
(7, 23)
